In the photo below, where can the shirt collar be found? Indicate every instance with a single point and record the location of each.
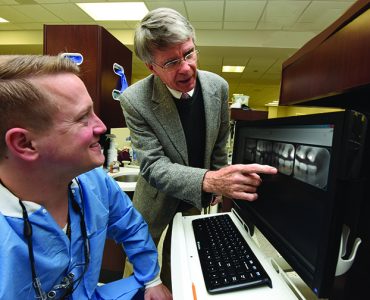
(177, 94)
(9, 204)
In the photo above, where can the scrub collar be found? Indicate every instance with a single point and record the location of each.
(9, 205)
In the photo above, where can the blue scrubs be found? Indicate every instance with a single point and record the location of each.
(108, 214)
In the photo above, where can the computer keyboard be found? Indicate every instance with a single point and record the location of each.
(227, 261)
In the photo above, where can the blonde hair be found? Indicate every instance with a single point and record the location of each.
(22, 103)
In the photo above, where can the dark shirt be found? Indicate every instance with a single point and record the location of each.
(191, 112)
(192, 116)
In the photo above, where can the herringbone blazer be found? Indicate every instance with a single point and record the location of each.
(159, 140)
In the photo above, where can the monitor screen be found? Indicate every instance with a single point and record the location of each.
(301, 209)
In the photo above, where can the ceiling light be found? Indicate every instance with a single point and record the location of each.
(3, 20)
(233, 69)
(115, 11)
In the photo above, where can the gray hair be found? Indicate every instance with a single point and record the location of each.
(159, 29)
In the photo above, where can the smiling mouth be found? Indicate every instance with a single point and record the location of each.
(95, 145)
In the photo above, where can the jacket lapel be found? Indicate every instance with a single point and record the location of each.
(165, 111)
(212, 107)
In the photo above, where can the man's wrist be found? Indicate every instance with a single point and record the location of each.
(156, 281)
(207, 182)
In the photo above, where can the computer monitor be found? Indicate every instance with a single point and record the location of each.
(302, 210)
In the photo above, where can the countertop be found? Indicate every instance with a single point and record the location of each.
(128, 170)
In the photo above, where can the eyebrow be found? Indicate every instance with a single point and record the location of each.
(185, 53)
(85, 112)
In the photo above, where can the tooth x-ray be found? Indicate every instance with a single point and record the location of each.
(283, 157)
(264, 152)
(309, 164)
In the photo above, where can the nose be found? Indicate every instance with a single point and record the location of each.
(99, 127)
(185, 65)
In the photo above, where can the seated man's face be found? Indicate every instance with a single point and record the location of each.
(71, 145)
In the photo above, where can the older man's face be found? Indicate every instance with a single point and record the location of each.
(183, 77)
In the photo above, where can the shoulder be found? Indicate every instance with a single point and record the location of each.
(206, 76)
(139, 87)
(96, 180)
(99, 186)
(213, 84)
(138, 95)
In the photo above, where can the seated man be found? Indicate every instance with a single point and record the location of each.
(57, 207)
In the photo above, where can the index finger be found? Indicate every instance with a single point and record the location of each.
(259, 169)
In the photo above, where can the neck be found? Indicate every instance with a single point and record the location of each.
(44, 189)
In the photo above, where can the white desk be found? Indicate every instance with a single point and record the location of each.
(186, 270)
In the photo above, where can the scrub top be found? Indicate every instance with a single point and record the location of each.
(108, 213)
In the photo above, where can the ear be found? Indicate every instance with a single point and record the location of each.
(151, 69)
(19, 143)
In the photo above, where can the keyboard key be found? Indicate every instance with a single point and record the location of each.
(227, 261)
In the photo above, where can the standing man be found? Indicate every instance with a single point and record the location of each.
(179, 123)
(57, 207)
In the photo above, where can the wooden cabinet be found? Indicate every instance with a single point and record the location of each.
(248, 115)
(333, 68)
(100, 51)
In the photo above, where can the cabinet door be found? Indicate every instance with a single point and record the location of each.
(333, 68)
(100, 51)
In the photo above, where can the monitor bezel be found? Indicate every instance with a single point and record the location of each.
(321, 278)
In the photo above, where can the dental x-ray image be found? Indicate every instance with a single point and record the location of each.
(306, 163)
(264, 152)
(312, 165)
(283, 157)
(250, 150)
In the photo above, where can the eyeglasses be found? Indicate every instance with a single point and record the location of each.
(68, 284)
(175, 64)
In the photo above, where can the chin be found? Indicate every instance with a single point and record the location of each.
(95, 163)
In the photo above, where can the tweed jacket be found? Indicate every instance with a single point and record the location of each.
(159, 140)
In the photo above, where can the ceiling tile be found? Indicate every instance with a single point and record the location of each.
(37, 13)
(239, 25)
(281, 13)
(211, 68)
(207, 25)
(235, 61)
(8, 2)
(69, 12)
(118, 25)
(12, 15)
(176, 5)
(228, 75)
(323, 9)
(209, 11)
(243, 11)
(260, 62)
(54, 1)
